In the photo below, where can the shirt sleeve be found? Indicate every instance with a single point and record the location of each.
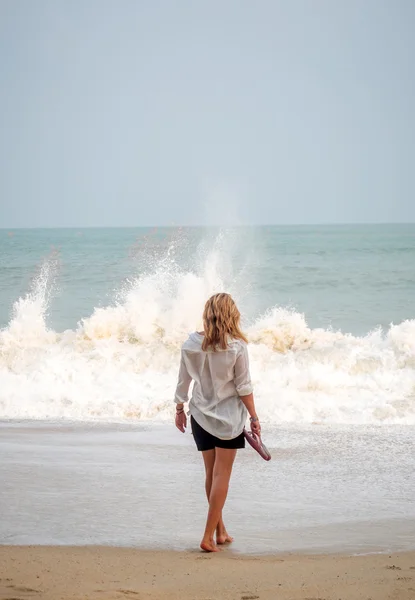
(183, 383)
(242, 377)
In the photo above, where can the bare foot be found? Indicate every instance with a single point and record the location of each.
(209, 546)
(223, 538)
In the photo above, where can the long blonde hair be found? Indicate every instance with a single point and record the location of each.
(221, 319)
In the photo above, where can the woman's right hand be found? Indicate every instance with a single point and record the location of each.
(181, 420)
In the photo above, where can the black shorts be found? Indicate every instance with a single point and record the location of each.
(207, 441)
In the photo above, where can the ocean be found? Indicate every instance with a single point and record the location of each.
(92, 321)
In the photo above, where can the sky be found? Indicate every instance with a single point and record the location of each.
(209, 112)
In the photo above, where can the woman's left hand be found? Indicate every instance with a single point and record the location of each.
(256, 427)
(181, 421)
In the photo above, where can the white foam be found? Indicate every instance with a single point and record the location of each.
(121, 362)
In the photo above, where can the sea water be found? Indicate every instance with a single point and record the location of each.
(93, 320)
(92, 324)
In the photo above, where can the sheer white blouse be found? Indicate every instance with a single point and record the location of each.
(220, 378)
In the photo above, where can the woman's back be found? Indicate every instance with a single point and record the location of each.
(220, 376)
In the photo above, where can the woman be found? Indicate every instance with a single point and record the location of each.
(217, 361)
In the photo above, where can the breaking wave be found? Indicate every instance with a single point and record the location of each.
(120, 363)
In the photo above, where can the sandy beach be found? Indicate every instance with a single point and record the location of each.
(89, 514)
(105, 573)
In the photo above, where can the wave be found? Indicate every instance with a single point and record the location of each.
(120, 363)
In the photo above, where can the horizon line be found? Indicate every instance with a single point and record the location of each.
(175, 226)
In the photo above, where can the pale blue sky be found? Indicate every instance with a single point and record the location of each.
(155, 112)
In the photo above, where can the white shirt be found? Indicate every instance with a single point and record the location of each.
(219, 379)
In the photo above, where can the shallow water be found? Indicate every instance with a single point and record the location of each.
(327, 489)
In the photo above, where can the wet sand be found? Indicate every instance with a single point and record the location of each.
(112, 513)
(105, 573)
(337, 490)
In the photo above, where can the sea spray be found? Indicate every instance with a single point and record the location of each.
(121, 362)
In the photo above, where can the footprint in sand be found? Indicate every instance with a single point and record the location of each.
(23, 588)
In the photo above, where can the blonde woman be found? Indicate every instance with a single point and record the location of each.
(216, 360)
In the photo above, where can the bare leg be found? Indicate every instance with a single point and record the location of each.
(222, 469)
(222, 536)
(209, 460)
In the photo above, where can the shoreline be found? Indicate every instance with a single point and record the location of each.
(106, 573)
(324, 492)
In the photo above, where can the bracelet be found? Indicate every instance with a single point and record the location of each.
(253, 419)
(179, 411)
